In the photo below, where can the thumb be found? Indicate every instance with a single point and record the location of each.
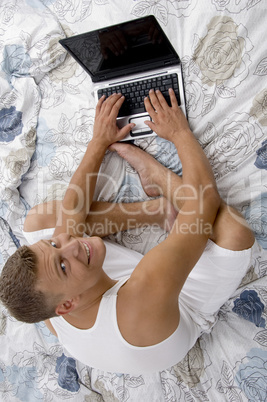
(150, 124)
(126, 129)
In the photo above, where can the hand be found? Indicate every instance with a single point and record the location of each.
(168, 121)
(105, 128)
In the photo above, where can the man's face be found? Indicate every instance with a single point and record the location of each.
(69, 265)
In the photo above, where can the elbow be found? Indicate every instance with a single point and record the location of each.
(35, 220)
(32, 221)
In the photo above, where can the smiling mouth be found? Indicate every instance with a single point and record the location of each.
(87, 252)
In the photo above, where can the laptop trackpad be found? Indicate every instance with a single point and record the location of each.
(140, 126)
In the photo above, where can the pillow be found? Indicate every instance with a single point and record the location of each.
(29, 49)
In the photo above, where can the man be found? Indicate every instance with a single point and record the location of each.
(149, 320)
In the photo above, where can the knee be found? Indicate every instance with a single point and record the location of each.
(231, 230)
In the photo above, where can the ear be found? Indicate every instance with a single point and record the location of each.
(67, 306)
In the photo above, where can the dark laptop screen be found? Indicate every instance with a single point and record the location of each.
(137, 45)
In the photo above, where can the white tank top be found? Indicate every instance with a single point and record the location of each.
(103, 347)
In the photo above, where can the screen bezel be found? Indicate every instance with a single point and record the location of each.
(172, 59)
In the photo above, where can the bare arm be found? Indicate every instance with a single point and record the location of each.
(79, 195)
(77, 213)
(105, 218)
(155, 284)
(201, 199)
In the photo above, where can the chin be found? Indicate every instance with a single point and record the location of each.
(100, 246)
(98, 239)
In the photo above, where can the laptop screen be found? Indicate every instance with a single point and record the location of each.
(122, 49)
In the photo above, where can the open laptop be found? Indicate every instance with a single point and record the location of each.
(130, 58)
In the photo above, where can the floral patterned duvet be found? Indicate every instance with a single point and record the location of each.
(46, 119)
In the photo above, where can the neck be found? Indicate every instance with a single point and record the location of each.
(84, 315)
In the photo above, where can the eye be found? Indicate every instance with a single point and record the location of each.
(63, 267)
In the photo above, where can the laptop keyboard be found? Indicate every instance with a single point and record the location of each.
(135, 92)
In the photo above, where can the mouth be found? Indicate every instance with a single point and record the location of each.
(87, 249)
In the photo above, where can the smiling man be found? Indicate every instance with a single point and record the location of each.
(147, 316)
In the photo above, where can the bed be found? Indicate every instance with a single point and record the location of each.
(46, 119)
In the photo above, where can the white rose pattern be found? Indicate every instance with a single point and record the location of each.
(49, 99)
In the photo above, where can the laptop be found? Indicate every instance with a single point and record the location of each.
(130, 58)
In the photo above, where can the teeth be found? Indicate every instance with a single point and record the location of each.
(87, 251)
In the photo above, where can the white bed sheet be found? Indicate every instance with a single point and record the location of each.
(46, 119)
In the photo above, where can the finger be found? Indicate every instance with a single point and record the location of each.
(99, 104)
(117, 105)
(162, 100)
(110, 102)
(149, 108)
(173, 98)
(151, 125)
(125, 130)
(154, 100)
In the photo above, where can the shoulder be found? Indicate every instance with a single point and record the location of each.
(147, 306)
(146, 313)
(143, 318)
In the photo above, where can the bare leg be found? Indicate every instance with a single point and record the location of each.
(108, 218)
(230, 229)
(155, 178)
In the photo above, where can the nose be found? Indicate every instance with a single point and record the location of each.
(64, 237)
(68, 245)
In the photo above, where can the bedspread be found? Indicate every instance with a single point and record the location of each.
(46, 118)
